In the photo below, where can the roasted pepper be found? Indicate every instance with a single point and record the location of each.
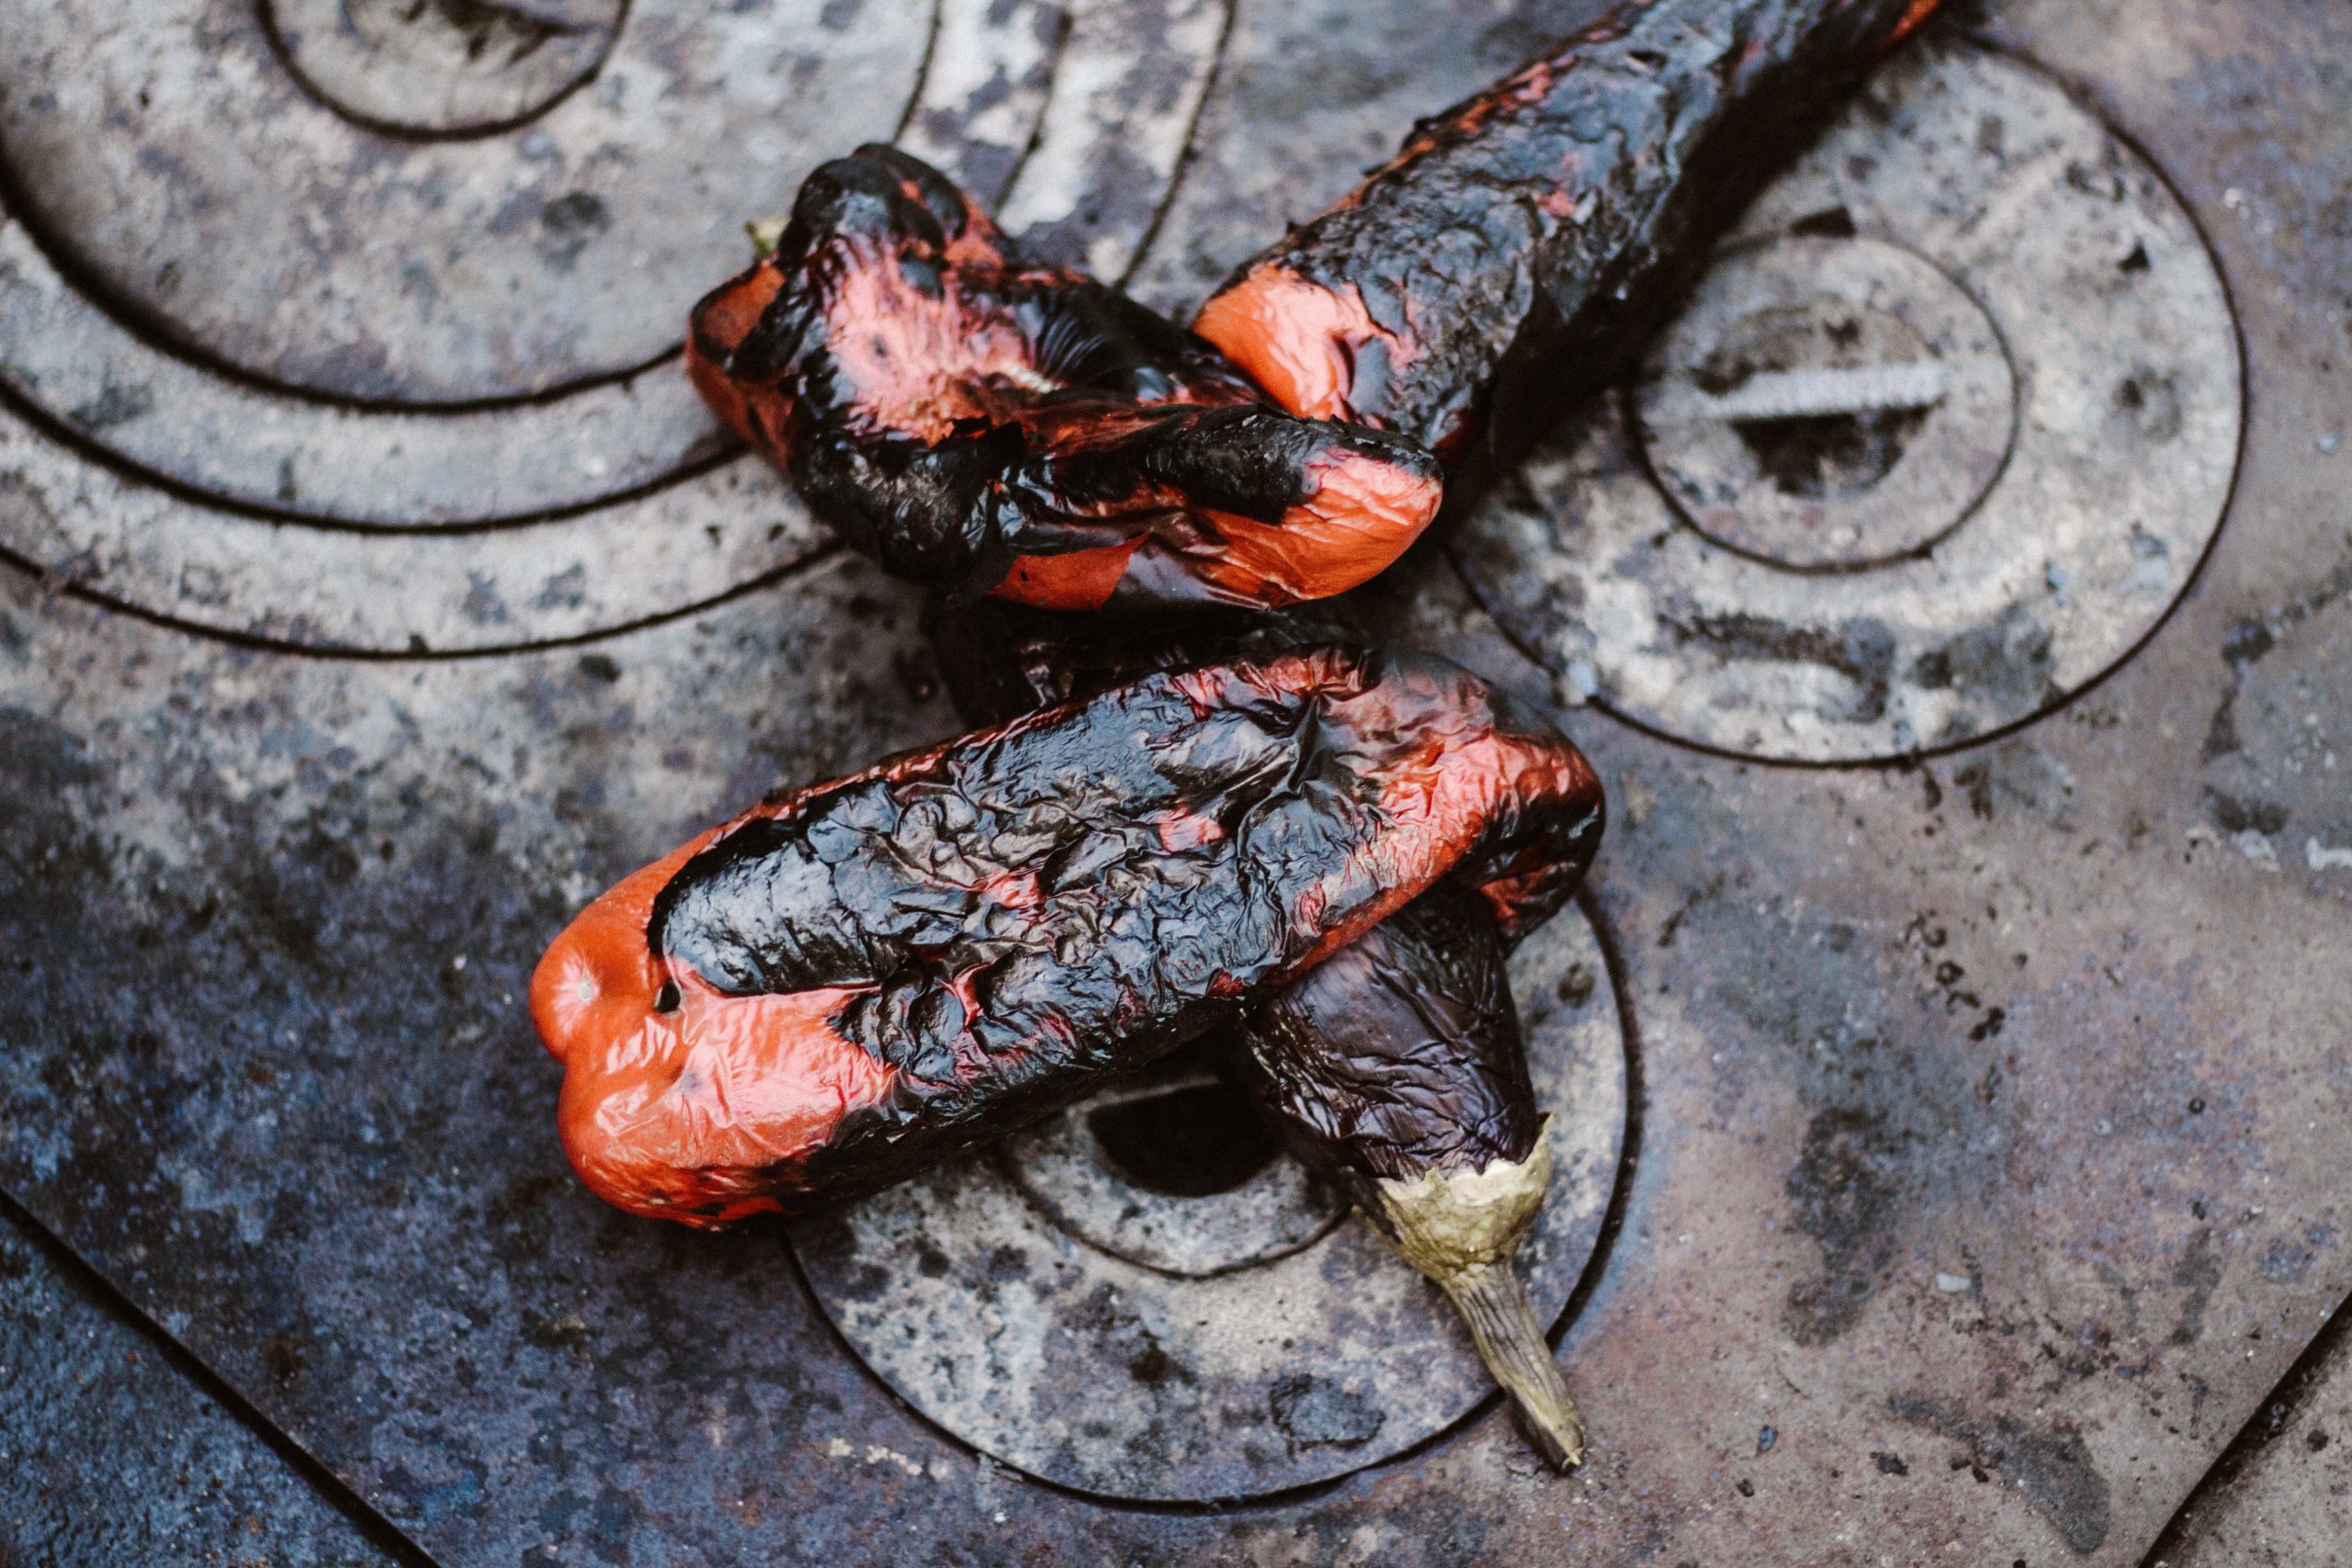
(1521, 241)
(981, 421)
(850, 981)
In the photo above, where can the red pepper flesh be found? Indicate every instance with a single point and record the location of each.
(986, 423)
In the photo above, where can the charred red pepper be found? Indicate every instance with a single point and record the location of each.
(1522, 241)
(850, 981)
(981, 420)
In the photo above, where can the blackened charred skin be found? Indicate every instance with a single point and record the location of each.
(852, 981)
(999, 658)
(987, 424)
(1400, 1054)
(1397, 1055)
(1524, 241)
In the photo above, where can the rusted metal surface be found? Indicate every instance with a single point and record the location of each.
(1986, 1110)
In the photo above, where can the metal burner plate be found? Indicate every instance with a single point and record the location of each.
(1942, 437)
(1068, 1320)
(375, 594)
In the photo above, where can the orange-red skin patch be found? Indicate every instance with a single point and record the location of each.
(1297, 340)
(1919, 12)
(1082, 580)
(712, 1111)
(1362, 516)
(696, 1115)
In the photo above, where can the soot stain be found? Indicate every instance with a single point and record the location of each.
(1863, 651)
(1316, 1413)
(2050, 1464)
(1889, 1090)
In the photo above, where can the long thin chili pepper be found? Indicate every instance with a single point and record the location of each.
(1522, 242)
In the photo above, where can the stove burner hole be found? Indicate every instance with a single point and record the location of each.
(1191, 1142)
(1817, 455)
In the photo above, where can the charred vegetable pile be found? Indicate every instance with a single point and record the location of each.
(1260, 827)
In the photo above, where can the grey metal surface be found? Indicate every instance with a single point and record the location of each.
(1986, 1108)
(109, 1455)
(2289, 1501)
(1939, 440)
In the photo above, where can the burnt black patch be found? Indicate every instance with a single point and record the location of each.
(1819, 455)
(2011, 661)
(115, 404)
(2235, 814)
(1847, 1187)
(2198, 1273)
(1861, 650)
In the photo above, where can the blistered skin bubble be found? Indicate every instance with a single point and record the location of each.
(983, 422)
(857, 979)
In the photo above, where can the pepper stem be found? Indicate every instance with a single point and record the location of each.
(767, 233)
(1463, 1228)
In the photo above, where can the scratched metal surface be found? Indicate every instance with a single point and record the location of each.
(2288, 1500)
(1988, 1161)
(109, 1454)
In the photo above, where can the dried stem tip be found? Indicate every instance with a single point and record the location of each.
(1463, 1228)
(767, 233)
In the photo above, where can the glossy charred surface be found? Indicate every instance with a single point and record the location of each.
(855, 980)
(981, 420)
(1521, 241)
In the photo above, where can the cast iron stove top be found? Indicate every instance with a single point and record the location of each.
(1949, 1052)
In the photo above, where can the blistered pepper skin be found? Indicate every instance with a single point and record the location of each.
(852, 981)
(1397, 1055)
(985, 422)
(1524, 241)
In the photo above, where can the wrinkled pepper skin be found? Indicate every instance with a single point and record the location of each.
(984, 422)
(851, 981)
(1397, 1055)
(1524, 241)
